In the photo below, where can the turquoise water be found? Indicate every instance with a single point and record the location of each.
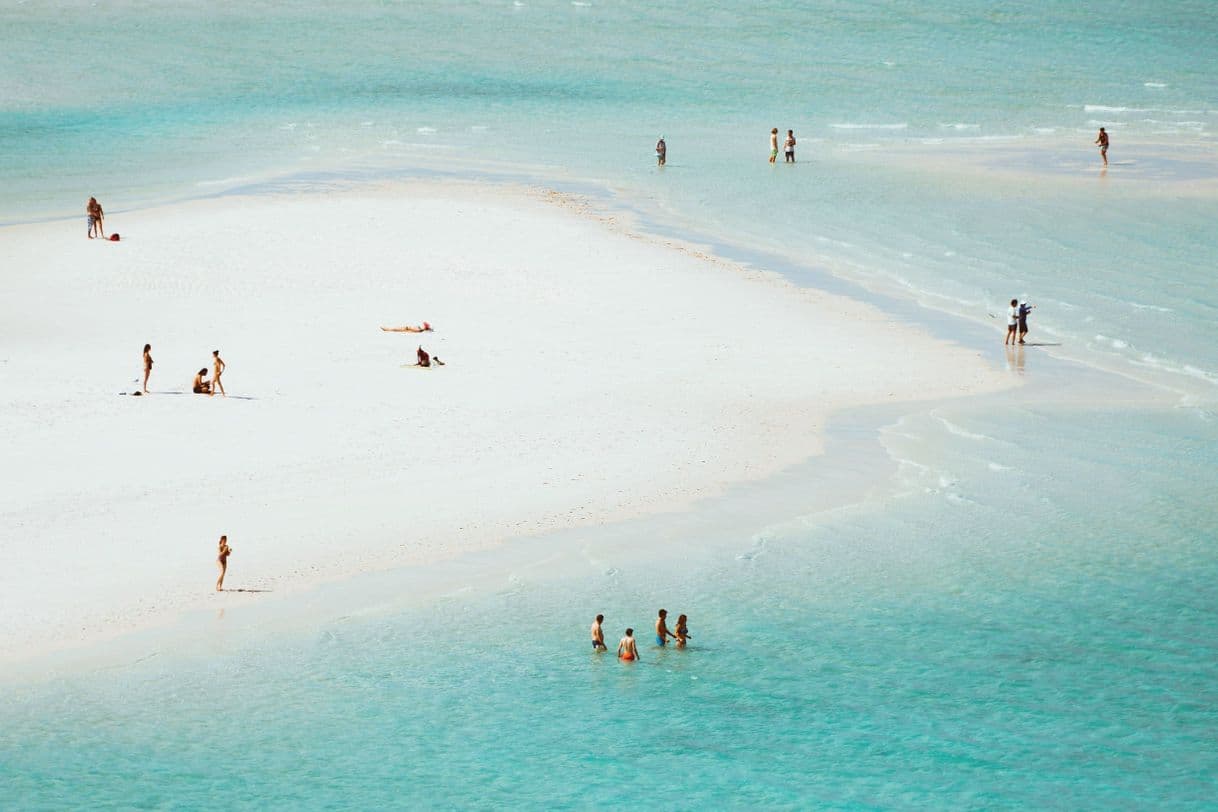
(1026, 617)
(992, 638)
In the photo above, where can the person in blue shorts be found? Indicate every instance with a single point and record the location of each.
(662, 632)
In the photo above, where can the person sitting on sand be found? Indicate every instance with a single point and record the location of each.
(682, 631)
(147, 365)
(222, 562)
(662, 632)
(598, 634)
(200, 386)
(626, 648)
(219, 366)
(424, 358)
(409, 328)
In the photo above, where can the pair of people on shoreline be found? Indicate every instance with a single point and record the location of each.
(627, 648)
(788, 146)
(202, 386)
(1017, 321)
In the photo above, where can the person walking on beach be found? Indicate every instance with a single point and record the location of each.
(147, 365)
(788, 147)
(1025, 310)
(96, 216)
(1102, 140)
(218, 366)
(598, 634)
(661, 152)
(222, 562)
(662, 632)
(773, 145)
(200, 385)
(1012, 322)
(626, 648)
(682, 631)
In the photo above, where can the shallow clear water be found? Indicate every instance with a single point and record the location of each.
(996, 636)
(1030, 622)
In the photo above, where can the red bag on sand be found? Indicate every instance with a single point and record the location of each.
(114, 237)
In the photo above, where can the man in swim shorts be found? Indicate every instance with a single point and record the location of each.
(662, 632)
(626, 648)
(773, 145)
(598, 634)
(1102, 140)
(661, 152)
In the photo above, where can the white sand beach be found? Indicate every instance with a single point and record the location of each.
(591, 375)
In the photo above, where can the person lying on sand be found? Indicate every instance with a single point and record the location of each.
(201, 386)
(408, 328)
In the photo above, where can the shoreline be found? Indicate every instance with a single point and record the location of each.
(774, 353)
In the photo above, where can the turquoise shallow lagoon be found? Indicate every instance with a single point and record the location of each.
(992, 636)
(1014, 605)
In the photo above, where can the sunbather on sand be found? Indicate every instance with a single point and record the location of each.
(408, 328)
(201, 386)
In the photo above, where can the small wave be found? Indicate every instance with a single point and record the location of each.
(223, 181)
(1151, 307)
(849, 126)
(960, 126)
(581, 5)
(1044, 130)
(366, 123)
(1154, 84)
(425, 130)
(1103, 108)
(952, 428)
(392, 142)
(1116, 343)
(994, 466)
(478, 128)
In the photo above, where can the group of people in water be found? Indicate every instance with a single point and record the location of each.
(628, 649)
(200, 385)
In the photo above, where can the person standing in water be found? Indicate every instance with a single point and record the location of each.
(1012, 322)
(1025, 310)
(96, 216)
(218, 366)
(788, 147)
(661, 152)
(1102, 140)
(682, 631)
(662, 632)
(773, 145)
(626, 648)
(598, 634)
(222, 562)
(147, 365)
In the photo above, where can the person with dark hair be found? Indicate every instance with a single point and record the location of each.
(424, 358)
(1102, 140)
(147, 365)
(598, 634)
(219, 365)
(662, 632)
(222, 562)
(788, 147)
(409, 328)
(661, 152)
(626, 648)
(1012, 322)
(1025, 310)
(682, 631)
(773, 145)
(201, 386)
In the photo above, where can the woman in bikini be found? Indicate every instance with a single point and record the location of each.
(147, 365)
(222, 562)
(96, 215)
(682, 632)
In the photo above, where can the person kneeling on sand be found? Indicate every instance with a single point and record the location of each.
(201, 386)
(408, 328)
(626, 648)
